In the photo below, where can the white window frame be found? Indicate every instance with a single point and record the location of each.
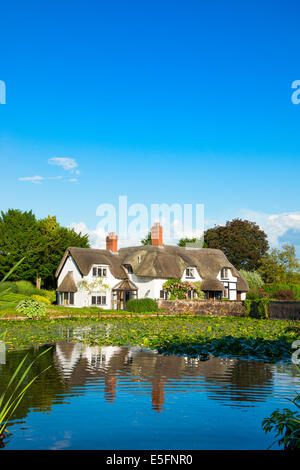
(226, 276)
(69, 295)
(100, 270)
(165, 294)
(190, 273)
(101, 303)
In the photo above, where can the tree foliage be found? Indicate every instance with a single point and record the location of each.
(280, 266)
(253, 279)
(243, 242)
(198, 242)
(42, 243)
(147, 240)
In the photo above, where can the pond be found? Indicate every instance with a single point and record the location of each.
(96, 397)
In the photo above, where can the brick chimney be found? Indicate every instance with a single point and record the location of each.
(112, 242)
(157, 234)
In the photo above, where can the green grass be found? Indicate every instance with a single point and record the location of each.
(197, 336)
(59, 310)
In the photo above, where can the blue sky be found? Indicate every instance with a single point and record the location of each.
(162, 101)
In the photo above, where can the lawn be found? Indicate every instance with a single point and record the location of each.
(57, 311)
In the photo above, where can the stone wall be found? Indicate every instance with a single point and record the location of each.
(285, 310)
(204, 307)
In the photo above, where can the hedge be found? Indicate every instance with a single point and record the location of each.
(141, 305)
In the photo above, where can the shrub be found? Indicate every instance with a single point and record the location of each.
(272, 288)
(257, 308)
(178, 288)
(284, 295)
(25, 287)
(12, 286)
(141, 305)
(253, 279)
(254, 294)
(42, 299)
(199, 292)
(31, 308)
(49, 294)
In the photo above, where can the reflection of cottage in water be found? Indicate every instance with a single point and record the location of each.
(132, 368)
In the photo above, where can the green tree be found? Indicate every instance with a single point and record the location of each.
(253, 279)
(280, 266)
(41, 242)
(199, 243)
(56, 240)
(243, 242)
(147, 240)
(20, 237)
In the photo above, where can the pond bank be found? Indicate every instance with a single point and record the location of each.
(104, 316)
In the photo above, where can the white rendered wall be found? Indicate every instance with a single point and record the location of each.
(82, 298)
(147, 286)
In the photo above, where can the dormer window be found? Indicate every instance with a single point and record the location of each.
(224, 273)
(99, 272)
(190, 273)
(139, 258)
(128, 267)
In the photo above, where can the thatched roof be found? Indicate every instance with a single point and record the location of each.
(86, 257)
(67, 284)
(242, 285)
(212, 285)
(171, 261)
(125, 285)
(155, 262)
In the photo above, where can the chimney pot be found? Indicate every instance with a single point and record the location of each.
(112, 242)
(157, 234)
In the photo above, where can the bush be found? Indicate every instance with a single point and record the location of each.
(141, 305)
(284, 295)
(42, 299)
(178, 288)
(12, 286)
(49, 294)
(257, 308)
(31, 308)
(272, 288)
(25, 287)
(253, 279)
(199, 291)
(254, 294)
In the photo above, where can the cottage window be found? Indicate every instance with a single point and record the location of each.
(226, 293)
(139, 258)
(98, 299)
(225, 273)
(163, 295)
(67, 298)
(129, 268)
(99, 272)
(189, 272)
(190, 294)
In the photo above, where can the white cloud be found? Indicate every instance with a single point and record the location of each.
(96, 237)
(275, 225)
(67, 164)
(73, 180)
(32, 179)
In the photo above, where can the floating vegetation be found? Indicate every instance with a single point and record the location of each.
(199, 336)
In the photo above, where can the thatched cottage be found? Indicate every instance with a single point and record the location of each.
(109, 278)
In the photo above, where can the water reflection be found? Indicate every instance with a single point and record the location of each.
(144, 381)
(222, 378)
